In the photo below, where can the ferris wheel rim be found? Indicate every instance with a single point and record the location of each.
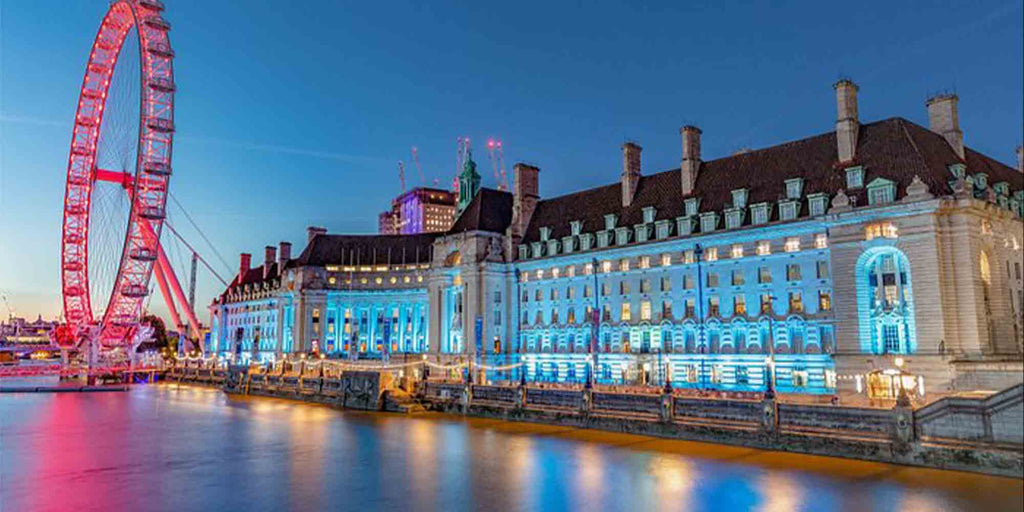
(148, 188)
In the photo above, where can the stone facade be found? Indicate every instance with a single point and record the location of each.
(877, 257)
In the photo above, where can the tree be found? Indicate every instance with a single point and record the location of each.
(159, 330)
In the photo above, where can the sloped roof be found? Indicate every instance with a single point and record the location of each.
(490, 210)
(895, 149)
(367, 250)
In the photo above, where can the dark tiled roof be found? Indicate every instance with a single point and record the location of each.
(895, 149)
(253, 276)
(490, 210)
(367, 250)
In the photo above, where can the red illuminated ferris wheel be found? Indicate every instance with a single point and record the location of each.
(119, 168)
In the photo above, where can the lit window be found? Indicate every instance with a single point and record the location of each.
(766, 303)
(666, 259)
(645, 286)
(554, 273)
(739, 305)
(764, 248)
(713, 306)
(688, 282)
(570, 271)
(588, 269)
(711, 254)
(689, 256)
(645, 262)
(880, 230)
(540, 274)
(737, 251)
(737, 277)
(793, 272)
(624, 265)
(764, 275)
(645, 310)
(624, 287)
(820, 241)
(792, 244)
(666, 284)
(625, 317)
(712, 279)
(606, 266)
(796, 302)
(824, 300)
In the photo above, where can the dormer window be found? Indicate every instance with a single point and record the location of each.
(586, 241)
(662, 228)
(691, 205)
(576, 227)
(622, 236)
(794, 188)
(648, 214)
(733, 218)
(739, 198)
(981, 180)
(523, 251)
(817, 203)
(567, 243)
(552, 247)
(788, 210)
(603, 237)
(855, 177)
(1002, 188)
(759, 213)
(545, 233)
(538, 249)
(881, 191)
(609, 221)
(642, 232)
(708, 222)
(684, 226)
(959, 171)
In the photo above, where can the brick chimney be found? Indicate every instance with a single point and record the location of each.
(690, 164)
(313, 231)
(630, 171)
(269, 255)
(847, 122)
(244, 260)
(284, 253)
(525, 193)
(944, 120)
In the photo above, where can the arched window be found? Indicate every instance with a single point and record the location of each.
(885, 302)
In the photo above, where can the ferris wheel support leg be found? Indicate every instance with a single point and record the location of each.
(178, 293)
(165, 290)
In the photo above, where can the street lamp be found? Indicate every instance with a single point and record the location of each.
(769, 391)
(595, 326)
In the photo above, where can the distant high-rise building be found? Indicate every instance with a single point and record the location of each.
(420, 210)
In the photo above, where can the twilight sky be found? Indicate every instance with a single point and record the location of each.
(296, 113)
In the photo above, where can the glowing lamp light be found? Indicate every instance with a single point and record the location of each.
(899, 362)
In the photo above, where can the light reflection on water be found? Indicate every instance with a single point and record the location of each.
(186, 448)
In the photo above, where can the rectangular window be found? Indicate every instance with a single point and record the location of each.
(820, 241)
(690, 308)
(824, 300)
(739, 305)
(712, 279)
(645, 262)
(884, 230)
(540, 295)
(606, 266)
(736, 251)
(570, 316)
(624, 287)
(666, 259)
(822, 269)
(666, 283)
(588, 291)
(554, 294)
(760, 213)
(891, 337)
(713, 305)
(606, 289)
(880, 195)
(666, 309)
(787, 210)
(764, 248)
(792, 244)
(645, 286)
(554, 316)
(796, 302)
(688, 282)
(711, 254)
(766, 303)
(625, 317)
(737, 277)
(497, 296)
(855, 177)
(689, 256)
(817, 206)
(570, 293)
(588, 269)
(624, 265)
(645, 310)
(793, 272)
(570, 271)
(764, 275)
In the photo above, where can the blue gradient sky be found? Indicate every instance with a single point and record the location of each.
(295, 113)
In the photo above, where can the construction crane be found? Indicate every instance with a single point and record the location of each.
(401, 174)
(416, 162)
(497, 163)
(10, 310)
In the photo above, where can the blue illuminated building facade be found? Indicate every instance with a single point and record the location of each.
(865, 256)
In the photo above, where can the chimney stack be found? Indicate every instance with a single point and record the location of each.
(284, 253)
(690, 164)
(313, 231)
(269, 255)
(244, 260)
(944, 120)
(847, 122)
(525, 193)
(630, 171)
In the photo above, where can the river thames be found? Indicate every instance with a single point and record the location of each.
(168, 447)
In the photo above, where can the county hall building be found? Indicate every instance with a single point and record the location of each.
(877, 255)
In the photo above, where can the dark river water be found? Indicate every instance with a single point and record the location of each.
(187, 448)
